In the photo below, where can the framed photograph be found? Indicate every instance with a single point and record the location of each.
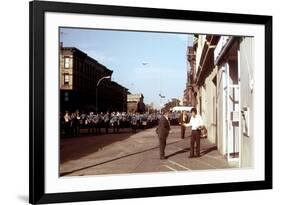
(130, 102)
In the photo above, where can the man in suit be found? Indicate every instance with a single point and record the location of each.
(183, 119)
(163, 130)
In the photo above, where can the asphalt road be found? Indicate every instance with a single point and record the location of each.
(128, 152)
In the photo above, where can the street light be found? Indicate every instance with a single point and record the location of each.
(99, 81)
(161, 97)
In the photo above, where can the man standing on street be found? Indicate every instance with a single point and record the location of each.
(163, 130)
(183, 119)
(196, 124)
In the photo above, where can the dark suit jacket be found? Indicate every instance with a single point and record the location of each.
(163, 127)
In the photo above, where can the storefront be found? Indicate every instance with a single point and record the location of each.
(232, 97)
(226, 60)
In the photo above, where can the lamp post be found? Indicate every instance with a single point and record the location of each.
(124, 94)
(99, 81)
(161, 97)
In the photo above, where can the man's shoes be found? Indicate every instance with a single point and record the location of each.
(163, 157)
(191, 156)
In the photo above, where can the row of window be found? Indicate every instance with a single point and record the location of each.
(78, 82)
(84, 84)
(67, 61)
(66, 79)
(81, 67)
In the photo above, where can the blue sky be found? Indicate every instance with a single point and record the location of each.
(125, 51)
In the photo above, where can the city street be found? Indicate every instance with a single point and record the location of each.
(128, 152)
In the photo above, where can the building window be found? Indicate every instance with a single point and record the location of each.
(66, 62)
(66, 79)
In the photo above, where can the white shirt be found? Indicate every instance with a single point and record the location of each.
(195, 122)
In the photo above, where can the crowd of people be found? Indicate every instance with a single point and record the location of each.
(96, 123)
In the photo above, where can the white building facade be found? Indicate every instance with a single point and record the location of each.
(224, 70)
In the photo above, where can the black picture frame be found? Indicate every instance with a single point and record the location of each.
(37, 194)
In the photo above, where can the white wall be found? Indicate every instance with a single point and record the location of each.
(14, 98)
(246, 71)
(207, 93)
(220, 110)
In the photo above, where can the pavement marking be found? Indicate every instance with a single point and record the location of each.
(179, 165)
(203, 162)
(170, 168)
(218, 158)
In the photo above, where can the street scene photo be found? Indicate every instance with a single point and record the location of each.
(142, 102)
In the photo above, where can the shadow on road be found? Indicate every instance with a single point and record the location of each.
(75, 148)
(208, 150)
(204, 152)
(178, 152)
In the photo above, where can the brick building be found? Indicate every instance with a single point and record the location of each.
(79, 75)
(190, 92)
(135, 103)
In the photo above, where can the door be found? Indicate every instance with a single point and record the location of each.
(231, 117)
